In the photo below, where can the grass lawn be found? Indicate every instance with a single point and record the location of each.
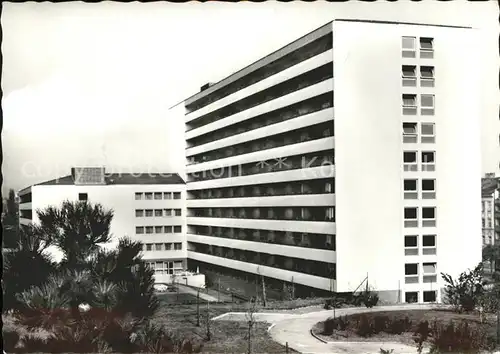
(174, 298)
(227, 336)
(415, 316)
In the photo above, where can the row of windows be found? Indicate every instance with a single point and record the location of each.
(413, 296)
(308, 106)
(410, 104)
(414, 270)
(319, 186)
(285, 163)
(409, 47)
(176, 246)
(273, 213)
(411, 132)
(427, 188)
(299, 82)
(298, 239)
(320, 269)
(166, 267)
(157, 212)
(414, 244)
(427, 160)
(410, 76)
(303, 53)
(158, 229)
(427, 216)
(317, 131)
(157, 195)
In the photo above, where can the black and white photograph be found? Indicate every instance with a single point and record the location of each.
(251, 177)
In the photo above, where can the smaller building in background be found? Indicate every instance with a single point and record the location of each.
(490, 209)
(148, 207)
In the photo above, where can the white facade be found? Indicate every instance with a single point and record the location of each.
(363, 135)
(167, 241)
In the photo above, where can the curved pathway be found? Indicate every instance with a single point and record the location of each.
(295, 329)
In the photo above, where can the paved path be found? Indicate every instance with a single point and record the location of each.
(188, 290)
(295, 329)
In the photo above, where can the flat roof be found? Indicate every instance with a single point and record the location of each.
(219, 84)
(119, 179)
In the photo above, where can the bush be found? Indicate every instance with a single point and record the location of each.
(328, 326)
(10, 339)
(465, 293)
(332, 324)
(369, 298)
(364, 327)
(399, 326)
(380, 324)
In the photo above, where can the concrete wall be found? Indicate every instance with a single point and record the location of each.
(369, 152)
(121, 199)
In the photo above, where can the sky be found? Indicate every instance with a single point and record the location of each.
(91, 84)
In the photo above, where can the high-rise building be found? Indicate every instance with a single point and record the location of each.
(147, 207)
(490, 210)
(350, 155)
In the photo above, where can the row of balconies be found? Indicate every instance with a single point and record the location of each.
(297, 83)
(318, 131)
(298, 239)
(321, 269)
(274, 213)
(323, 186)
(308, 106)
(320, 158)
(303, 53)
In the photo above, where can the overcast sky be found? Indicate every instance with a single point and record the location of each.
(91, 84)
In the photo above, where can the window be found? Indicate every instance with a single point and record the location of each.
(429, 244)
(168, 212)
(428, 189)
(177, 212)
(177, 195)
(149, 196)
(411, 217)
(167, 195)
(158, 212)
(177, 229)
(158, 246)
(83, 196)
(149, 246)
(138, 196)
(426, 47)
(168, 229)
(411, 245)
(410, 161)
(428, 161)
(428, 216)
(429, 268)
(330, 214)
(149, 229)
(158, 196)
(427, 133)
(409, 47)
(410, 189)
(158, 229)
(411, 273)
(410, 133)
(168, 247)
(427, 76)
(430, 296)
(177, 246)
(409, 75)
(409, 104)
(411, 296)
(139, 213)
(139, 229)
(149, 212)
(427, 105)
(430, 272)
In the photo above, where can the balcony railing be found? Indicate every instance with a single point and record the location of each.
(321, 269)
